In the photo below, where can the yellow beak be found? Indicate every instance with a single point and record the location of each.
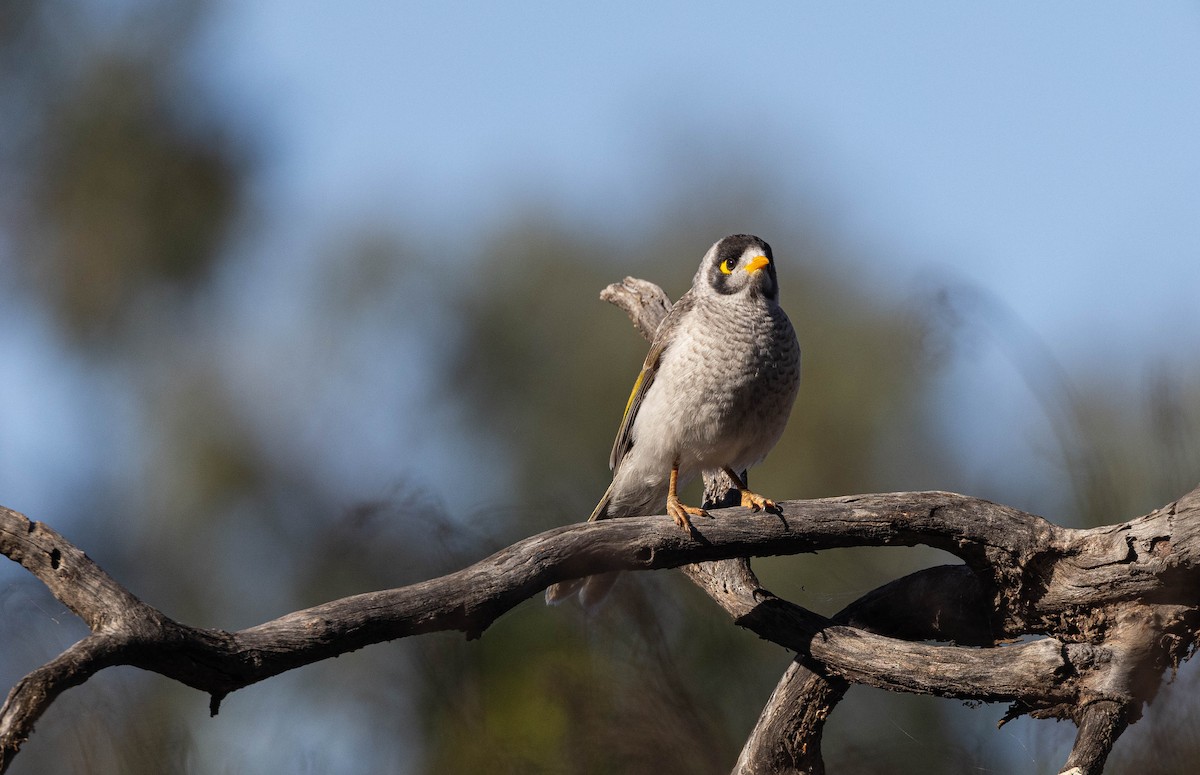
(756, 263)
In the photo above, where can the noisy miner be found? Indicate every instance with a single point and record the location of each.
(714, 394)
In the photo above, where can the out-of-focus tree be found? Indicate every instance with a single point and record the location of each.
(121, 183)
(121, 188)
(129, 182)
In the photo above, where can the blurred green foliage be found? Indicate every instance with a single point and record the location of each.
(130, 201)
(130, 184)
(229, 502)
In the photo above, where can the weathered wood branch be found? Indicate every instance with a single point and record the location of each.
(1113, 608)
(942, 603)
(787, 737)
(1038, 578)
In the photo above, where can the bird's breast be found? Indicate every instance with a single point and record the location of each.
(723, 391)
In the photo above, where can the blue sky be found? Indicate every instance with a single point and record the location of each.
(1046, 154)
(1050, 154)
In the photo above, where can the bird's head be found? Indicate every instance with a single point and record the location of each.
(738, 264)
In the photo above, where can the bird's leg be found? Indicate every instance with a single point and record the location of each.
(750, 500)
(677, 510)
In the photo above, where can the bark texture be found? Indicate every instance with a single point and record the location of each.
(1110, 608)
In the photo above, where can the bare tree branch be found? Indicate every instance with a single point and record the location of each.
(1111, 609)
(1039, 578)
(1100, 723)
(924, 606)
(940, 603)
(645, 303)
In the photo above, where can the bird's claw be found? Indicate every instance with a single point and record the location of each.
(756, 502)
(679, 512)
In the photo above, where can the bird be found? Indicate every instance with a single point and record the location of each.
(714, 394)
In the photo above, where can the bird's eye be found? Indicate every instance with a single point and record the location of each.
(727, 266)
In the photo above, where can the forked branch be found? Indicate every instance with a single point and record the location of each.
(1113, 607)
(949, 604)
(1013, 554)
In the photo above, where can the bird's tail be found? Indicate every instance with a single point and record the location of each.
(601, 510)
(591, 589)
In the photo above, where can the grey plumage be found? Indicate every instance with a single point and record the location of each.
(714, 393)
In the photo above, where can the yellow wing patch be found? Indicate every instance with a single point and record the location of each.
(624, 440)
(633, 394)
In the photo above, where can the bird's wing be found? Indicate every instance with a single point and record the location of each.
(662, 339)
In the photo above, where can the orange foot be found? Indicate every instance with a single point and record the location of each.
(752, 500)
(680, 512)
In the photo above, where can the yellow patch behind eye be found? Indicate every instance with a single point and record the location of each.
(727, 266)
